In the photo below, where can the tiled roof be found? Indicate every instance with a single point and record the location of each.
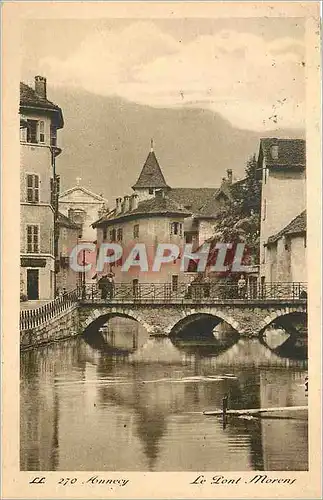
(199, 202)
(291, 152)
(154, 206)
(151, 175)
(203, 202)
(296, 226)
(29, 98)
(67, 222)
(192, 199)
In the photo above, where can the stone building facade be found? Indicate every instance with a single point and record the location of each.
(40, 120)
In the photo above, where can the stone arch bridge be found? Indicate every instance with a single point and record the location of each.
(247, 318)
(161, 309)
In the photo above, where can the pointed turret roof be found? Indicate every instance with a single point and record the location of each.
(151, 175)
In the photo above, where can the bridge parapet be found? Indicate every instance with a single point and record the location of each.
(202, 293)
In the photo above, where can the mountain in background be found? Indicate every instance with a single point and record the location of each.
(106, 140)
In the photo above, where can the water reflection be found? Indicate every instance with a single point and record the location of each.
(85, 409)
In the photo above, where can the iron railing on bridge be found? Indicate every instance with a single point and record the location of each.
(194, 292)
(30, 318)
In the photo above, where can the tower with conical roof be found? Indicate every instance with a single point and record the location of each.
(151, 178)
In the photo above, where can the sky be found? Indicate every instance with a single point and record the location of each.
(251, 70)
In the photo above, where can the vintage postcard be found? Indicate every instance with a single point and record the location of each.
(161, 250)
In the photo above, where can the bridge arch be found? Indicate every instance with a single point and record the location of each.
(279, 313)
(215, 313)
(97, 318)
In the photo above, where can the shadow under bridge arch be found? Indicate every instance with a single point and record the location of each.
(201, 329)
(287, 335)
(93, 325)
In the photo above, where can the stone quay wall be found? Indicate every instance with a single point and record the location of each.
(63, 326)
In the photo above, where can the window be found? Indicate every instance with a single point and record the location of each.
(105, 233)
(113, 235)
(188, 238)
(151, 190)
(136, 231)
(176, 228)
(32, 188)
(41, 131)
(119, 234)
(305, 242)
(32, 131)
(33, 238)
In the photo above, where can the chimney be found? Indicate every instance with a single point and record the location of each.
(118, 205)
(40, 86)
(126, 203)
(229, 175)
(134, 202)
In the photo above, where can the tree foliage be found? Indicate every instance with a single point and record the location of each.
(238, 221)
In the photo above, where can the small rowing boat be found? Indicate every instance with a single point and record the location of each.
(259, 412)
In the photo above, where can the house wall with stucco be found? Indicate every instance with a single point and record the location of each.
(283, 198)
(66, 276)
(152, 231)
(287, 259)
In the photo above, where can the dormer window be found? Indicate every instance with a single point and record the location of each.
(274, 152)
(151, 190)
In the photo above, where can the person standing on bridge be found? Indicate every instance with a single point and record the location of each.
(242, 287)
(103, 286)
(110, 285)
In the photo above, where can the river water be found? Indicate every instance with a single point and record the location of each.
(86, 407)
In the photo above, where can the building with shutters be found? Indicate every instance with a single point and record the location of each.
(40, 119)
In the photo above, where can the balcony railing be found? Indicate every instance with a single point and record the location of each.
(196, 293)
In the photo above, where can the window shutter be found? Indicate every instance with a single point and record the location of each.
(41, 131)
